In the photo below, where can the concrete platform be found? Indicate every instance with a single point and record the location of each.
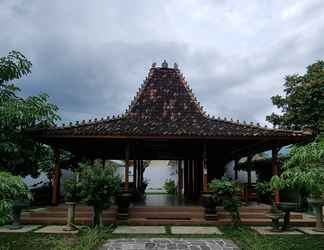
(267, 231)
(24, 229)
(194, 230)
(139, 230)
(309, 230)
(55, 230)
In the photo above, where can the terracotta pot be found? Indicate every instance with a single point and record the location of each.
(209, 203)
(123, 202)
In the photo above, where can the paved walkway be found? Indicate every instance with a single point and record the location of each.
(166, 244)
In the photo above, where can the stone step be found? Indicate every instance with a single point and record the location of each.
(163, 214)
(167, 209)
(62, 221)
(64, 213)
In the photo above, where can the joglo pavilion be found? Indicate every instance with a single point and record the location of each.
(166, 122)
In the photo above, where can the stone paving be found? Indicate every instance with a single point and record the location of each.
(24, 229)
(168, 244)
(194, 230)
(55, 229)
(139, 230)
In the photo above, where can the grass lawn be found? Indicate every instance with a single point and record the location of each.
(92, 238)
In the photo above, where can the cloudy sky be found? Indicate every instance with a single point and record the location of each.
(91, 56)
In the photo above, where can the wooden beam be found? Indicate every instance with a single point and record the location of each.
(275, 170)
(235, 168)
(56, 177)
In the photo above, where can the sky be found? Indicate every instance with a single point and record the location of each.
(92, 56)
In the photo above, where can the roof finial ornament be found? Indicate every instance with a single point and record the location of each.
(165, 64)
(175, 66)
(153, 65)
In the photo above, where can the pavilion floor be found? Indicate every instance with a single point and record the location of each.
(160, 210)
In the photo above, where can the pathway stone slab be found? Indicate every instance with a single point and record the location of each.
(167, 244)
(194, 230)
(267, 231)
(24, 229)
(139, 230)
(309, 230)
(55, 230)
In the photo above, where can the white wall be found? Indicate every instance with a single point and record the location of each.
(157, 173)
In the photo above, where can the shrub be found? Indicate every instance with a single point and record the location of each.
(98, 185)
(264, 191)
(228, 192)
(72, 188)
(11, 188)
(170, 186)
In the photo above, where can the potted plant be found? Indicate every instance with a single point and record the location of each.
(14, 197)
(98, 185)
(170, 186)
(72, 195)
(228, 192)
(304, 170)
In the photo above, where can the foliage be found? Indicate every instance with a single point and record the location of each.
(98, 185)
(303, 103)
(11, 188)
(170, 186)
(72, 188)
(264, 189)
(228, 191)
(304, 169)
(19, 153)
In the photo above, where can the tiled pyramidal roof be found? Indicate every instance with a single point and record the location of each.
(166, 106)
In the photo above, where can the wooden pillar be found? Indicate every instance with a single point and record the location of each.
(275, 170)
(190, 179)
(180, 177)
(135, 173)
(56, 177)
(185, 179)
(205, 171)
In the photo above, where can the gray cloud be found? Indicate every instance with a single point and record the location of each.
(92, 57)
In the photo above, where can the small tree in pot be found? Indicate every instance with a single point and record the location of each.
(14, 196)
(72, 195)
(98, 185)
(228, 192)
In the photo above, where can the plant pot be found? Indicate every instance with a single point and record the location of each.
(70, 216)
(209, 203)
(317, 204)
(18, 206)
(123, 202)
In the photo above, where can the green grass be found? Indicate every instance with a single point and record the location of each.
(88, 238)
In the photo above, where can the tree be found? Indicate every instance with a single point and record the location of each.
(98, 185)
(303, 104)
(19, 153)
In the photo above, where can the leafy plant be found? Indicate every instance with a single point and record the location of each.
(170, 186)
(304, 170)
(229, 193)
(98, 185)
(11, 188)
(72, 188)
(264, 191)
